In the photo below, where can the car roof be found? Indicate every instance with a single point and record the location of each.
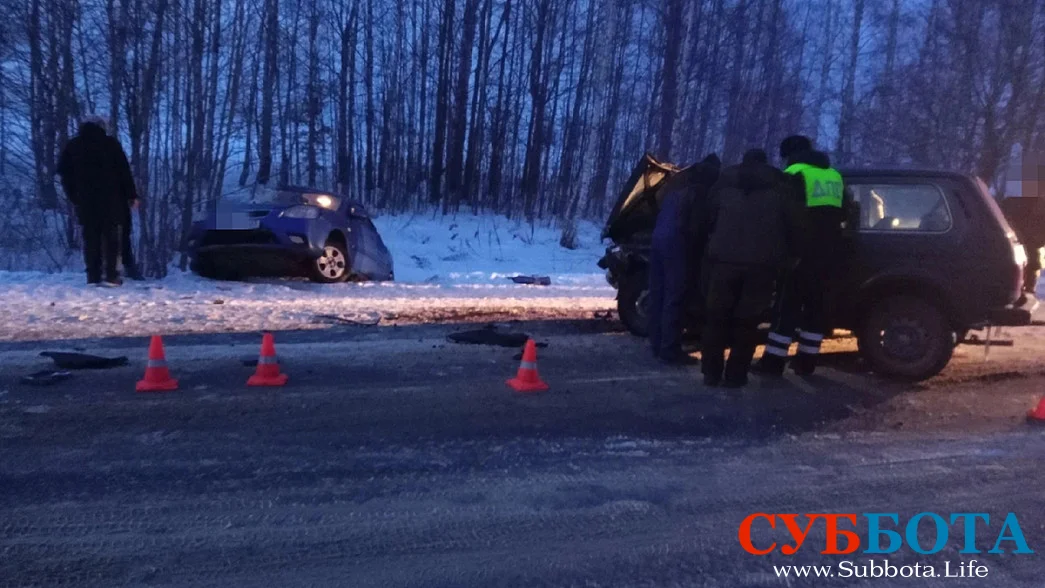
(900, 172)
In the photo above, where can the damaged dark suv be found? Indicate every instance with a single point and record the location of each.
(931, 257)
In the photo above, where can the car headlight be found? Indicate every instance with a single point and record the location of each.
(302, 211)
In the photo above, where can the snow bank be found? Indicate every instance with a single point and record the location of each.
(446, 269)
(483, 249)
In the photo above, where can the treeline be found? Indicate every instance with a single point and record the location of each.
(530, 108)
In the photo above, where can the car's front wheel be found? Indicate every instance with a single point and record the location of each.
(906, 338)
(332, 266)
(633, 302)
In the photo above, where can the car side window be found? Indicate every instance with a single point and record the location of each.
(902, 208)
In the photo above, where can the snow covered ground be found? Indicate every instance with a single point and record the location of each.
(446, 269)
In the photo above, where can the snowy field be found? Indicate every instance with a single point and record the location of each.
(446, 269)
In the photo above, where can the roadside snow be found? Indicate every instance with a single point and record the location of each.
(446, 269)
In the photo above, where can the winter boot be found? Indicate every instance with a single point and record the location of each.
(770, 365)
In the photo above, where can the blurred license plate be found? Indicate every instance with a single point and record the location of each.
(237, 222)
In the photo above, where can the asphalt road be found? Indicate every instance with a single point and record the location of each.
(395, 458)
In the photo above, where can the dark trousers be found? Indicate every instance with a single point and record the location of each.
(737, 297)
(126, 249)
(101, 250)
(800, 309)
(668, 278)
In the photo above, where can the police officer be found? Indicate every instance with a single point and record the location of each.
(801, 302)
(753, 226)
(673, 255)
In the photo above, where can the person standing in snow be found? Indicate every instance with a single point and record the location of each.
(802, 295)
(674, 254)
(96, 177)
(753, 221)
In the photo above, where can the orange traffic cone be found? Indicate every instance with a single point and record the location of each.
(157, 377)
(527, 380)
(267, 373)
(1037, 416)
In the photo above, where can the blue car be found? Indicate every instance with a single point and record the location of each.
(289, 232)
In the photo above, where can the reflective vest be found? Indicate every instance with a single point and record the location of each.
(823, 186)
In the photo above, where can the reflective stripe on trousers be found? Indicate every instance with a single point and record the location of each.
(778, 344)
(809, 343)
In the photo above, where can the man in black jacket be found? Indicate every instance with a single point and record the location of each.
(97, 180)
(752, 224)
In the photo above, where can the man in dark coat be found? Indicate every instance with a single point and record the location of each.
(97, 180)
(753, 225)
(674, 253)
(801, 307)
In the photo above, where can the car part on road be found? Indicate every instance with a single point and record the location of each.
(532, 280)
(46, 378)
(83, 361)
(333, 266)
(907, 338)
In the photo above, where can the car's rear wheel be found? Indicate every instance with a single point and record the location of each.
(633, 302)
(906, 338)
(333, 266)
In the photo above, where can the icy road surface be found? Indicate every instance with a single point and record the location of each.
(446, 269)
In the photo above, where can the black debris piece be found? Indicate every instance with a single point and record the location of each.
(532, 280)
(83, 361)
(489, 335)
